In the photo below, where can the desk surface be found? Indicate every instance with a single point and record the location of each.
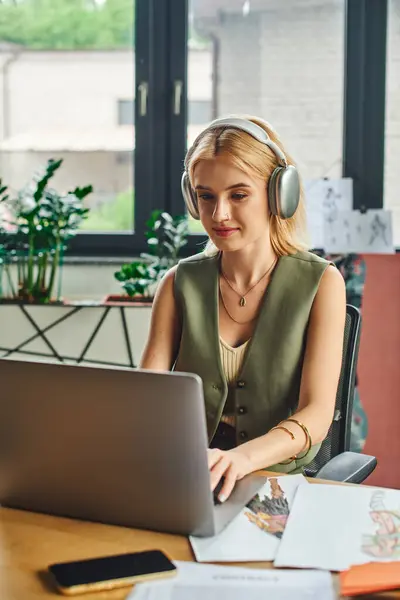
(29, 542)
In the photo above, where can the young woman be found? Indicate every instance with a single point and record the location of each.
(257, 317)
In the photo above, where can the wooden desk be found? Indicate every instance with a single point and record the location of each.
(29, 542)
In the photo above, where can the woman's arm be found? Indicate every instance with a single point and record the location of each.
(165, 329)
(319, 381)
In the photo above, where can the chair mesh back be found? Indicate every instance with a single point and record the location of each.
(338, 438)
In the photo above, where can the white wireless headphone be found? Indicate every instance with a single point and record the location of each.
(283, 185)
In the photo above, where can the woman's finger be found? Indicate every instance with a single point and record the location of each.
(214, 456)
(218, 470)
(229, 483)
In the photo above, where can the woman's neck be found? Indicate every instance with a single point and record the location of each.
(244, 267)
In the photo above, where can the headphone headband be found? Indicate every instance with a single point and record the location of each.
(249, 127)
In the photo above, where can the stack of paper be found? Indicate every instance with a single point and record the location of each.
(351, 529)
(255, 533)
(197, 582)
(335, 527)
(315, 528)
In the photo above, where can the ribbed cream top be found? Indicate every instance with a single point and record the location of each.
(232, 360)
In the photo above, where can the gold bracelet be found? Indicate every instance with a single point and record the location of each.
(291, 435)
(285, 429)
(308, 443)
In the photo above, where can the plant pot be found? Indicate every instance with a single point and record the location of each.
(123, 299)
(31, 277)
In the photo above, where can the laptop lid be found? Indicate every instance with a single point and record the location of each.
(125, 447)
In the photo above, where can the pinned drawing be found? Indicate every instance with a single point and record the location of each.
(270, 514)
(331, 203)
(325, 200)
(385, 542)
(378, 230)
(338, 229)
(355, 232)
(347, 231)
(331, 207)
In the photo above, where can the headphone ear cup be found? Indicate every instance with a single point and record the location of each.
(272, 192)
(189, 197)
(284, 191)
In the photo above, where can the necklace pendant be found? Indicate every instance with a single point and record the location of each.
(242, 301)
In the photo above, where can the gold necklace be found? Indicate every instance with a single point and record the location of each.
(229, 314)
(242, 301)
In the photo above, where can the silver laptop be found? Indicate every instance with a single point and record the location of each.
(124, 447)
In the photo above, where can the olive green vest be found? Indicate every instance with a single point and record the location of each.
(268, 387)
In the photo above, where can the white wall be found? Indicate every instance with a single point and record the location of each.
(82, 281)
(89, 282)
(285, 63)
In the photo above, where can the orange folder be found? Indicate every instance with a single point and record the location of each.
(370, 578)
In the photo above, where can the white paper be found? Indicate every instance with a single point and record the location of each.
(253, 536)
(380, 527)
(197, 582)
(324, 199)
(334, 527)
(353, 231)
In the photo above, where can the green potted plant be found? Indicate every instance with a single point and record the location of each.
(166, 236)
(35, 226)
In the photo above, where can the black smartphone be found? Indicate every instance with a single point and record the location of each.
(108, 572)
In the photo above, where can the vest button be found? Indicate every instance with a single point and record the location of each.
(243, 435)
(242, 410)
(215, 386)
(240, 384)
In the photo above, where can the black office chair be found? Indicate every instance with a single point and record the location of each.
(334, 461)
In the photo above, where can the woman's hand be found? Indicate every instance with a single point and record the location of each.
(232, 465)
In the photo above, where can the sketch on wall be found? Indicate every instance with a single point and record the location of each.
(325, 199)
(364, 233)
(338, 229)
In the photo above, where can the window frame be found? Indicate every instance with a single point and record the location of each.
(149, 26)
(161, 61)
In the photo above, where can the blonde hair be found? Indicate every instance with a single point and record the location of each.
(248, 154)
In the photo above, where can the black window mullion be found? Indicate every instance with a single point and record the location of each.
(144, 90)
(364, 103)
(178, 37)
(158, 175)
(178, 119)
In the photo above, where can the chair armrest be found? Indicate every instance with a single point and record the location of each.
(350, 467)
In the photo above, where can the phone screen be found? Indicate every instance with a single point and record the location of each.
(108, 568)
